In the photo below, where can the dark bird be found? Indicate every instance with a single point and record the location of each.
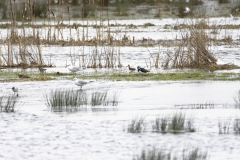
(80, 83)
(142, 70)
(131, 69)
(59, 73)
(42, 70)
(15, 90)
(23, 76)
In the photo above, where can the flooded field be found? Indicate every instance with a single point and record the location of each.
(34, 131)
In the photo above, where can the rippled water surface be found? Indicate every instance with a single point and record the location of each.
(34, 132)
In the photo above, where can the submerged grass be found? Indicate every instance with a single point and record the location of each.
(237, 100)
(190, 153)
(102, 98)
(177, 123)
(236, 126)
(137, 125)
(8, 103)
(224, 126)
(61, 98)
(68, 99)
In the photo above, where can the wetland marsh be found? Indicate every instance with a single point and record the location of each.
(35, 131)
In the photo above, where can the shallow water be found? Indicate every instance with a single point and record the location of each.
(34, 132)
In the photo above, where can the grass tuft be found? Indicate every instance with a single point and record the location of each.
(103, 98)
(7, 104)
(193, 153)
(237, 100)
(69, 100)
(174, 124)
(62, 98)
(224, 126)
(236, 126)
(137, 125)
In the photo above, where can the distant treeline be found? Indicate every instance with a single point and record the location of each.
(45, 8)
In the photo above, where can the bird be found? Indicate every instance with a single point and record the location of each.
(187, 10)
(131, 69)
(234, 18)
(23, 76)
(15, 90)
(42, 70)
(142, 70)
(80, 83)
(73, 69)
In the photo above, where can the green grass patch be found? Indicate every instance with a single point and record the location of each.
(116, 76)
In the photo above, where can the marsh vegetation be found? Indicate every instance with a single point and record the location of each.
(175, 123)
(187, 153)
(62, 100)
(8, 103)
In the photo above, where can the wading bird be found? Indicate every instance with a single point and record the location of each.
(15, 90)
(142, 70)
(131, 69)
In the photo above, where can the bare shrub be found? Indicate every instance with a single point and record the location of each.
(192, 51)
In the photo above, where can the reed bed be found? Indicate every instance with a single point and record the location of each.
(193, 153)
(8, 103)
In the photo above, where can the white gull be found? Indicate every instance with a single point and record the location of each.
(81, 83)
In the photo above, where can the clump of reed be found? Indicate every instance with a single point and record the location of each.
(177, 123)
(236, 126)
(64, 99)
(102, 98)
(60, 98)
(194, 153)
(137, 125)
(224, 126)
(192, 51)
(8, 103)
